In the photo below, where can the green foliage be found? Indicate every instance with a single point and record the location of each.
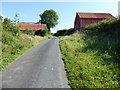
(91, 60)
(16, 20)
(1, 27)
(1, 18)
(49, 17)
(111, 25)
(92, 56)
(15, 31)
(7, 25)
(13, 46)
(42, 32)
(64, 32)
(29, 32)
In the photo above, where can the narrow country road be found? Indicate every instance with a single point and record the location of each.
(39, 67)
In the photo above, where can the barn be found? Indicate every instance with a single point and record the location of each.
(33, 27)
(84, 19)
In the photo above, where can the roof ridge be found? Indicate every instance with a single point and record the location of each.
(92, 13)
(33, 26)
(31, 23)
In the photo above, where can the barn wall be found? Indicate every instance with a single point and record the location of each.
(82, 22)
(77, 23)
(87, 21)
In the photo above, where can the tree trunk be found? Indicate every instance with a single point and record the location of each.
(49, 29)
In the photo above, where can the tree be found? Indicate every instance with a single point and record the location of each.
(42, 32)
(7, 24)
(27, 31)
(1, 28)
(11, 26)
(49, 17)
(16, 20)
(1, 17)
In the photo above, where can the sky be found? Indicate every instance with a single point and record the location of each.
(30, 11)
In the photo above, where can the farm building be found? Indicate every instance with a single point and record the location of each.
(33, 27)
(84, 19)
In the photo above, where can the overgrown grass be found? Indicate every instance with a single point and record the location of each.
(111, 25)
(92, 59)
(13, 46)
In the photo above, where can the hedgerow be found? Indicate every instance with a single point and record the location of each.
(64, 32)
(111, 25)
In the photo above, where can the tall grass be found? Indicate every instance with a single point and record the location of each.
(13, 46)
(111, 25)
(92, 58)
(1, 28)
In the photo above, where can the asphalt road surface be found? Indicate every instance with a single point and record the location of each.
(39, 67)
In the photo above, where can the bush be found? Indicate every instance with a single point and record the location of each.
(42, 32)
(8, 26)
(110, 25)
(64, 32)
(28, 32)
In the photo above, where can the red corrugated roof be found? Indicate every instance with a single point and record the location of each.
(95, 15)
(32, 26)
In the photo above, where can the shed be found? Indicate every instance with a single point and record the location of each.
(84, 19)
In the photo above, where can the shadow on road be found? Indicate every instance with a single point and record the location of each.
(54, 38)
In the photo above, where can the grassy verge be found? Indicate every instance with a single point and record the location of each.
(91, 59)
(14, 46)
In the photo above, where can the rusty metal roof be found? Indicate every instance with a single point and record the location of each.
(95, 15)
(32, 26)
